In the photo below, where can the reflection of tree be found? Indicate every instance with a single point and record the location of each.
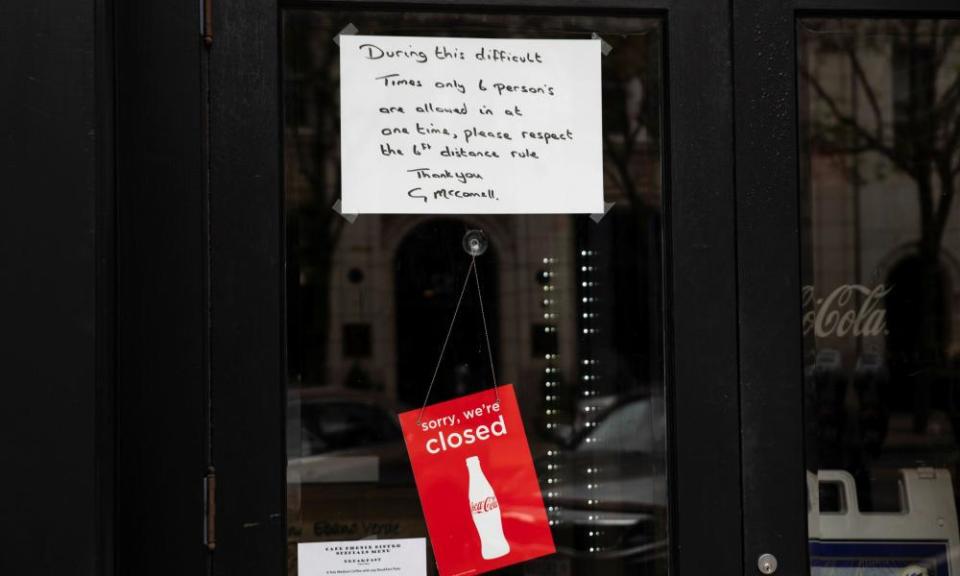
(912, 124)
(313, 228)
(631, 110)
(631, 136)
(919, 136)
(631, 144)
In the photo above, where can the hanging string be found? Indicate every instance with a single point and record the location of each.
(472, 269)
(486, 335)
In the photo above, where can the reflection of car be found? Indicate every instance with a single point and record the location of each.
(609, 498)
(348, 476)
(344, 436)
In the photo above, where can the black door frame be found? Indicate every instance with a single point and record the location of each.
(247, 369)
(199, 285)
(215, 228)
(156, 453)
(768, 250)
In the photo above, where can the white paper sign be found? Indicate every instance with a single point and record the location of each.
(470, 125)
(399, 557)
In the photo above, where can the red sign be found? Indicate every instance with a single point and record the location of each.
(478, 488)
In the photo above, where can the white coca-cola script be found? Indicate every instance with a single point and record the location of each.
(837, 314)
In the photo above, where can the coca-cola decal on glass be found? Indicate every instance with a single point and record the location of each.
(477, 484)
(848, 310)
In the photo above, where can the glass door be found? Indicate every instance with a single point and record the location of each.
(880, 237)
(618, 331)
(848, 356)
(572, 306)
(748, 365)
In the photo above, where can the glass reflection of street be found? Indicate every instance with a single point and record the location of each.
(573, 309)
(880, 127)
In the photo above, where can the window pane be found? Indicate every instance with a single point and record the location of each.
(573, 307)
(880, 123)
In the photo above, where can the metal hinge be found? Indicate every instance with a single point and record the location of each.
(210, 509)
(206, 22)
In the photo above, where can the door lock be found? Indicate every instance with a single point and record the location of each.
(767, 563)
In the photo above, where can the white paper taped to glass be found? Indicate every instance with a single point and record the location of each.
(470, 125)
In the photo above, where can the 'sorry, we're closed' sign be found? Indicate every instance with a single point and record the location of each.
(477, 484)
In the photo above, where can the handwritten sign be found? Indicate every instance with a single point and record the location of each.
(470, 125)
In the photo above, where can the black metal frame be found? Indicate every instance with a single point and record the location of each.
(189, 284)
(166, 355)
(57, 316)
(247, 375)
(199, 278)
(161, 261)
(247, 371)
(768, 240)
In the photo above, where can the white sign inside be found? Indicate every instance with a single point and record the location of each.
(403, 557)
(470, 125)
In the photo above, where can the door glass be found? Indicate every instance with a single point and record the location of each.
(880, 139)
(573, 308)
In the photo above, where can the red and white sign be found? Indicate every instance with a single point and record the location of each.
(478, 488)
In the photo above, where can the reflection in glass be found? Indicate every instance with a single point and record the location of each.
(573, 309)
(880, 136)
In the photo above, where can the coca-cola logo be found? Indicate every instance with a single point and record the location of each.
(487, 504)
(837, 314)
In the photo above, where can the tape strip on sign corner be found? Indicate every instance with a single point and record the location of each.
(606, 208)
(348, 30)
(605, 47)
(338, 208)
(477, 484)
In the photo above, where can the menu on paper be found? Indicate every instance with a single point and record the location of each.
(401, 557)
(470, 125)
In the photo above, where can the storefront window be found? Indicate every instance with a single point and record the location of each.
(880, 141)
(573, 309)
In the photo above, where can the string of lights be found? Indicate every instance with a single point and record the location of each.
(551, 400)
(589, 382)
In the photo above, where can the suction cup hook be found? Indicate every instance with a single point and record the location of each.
(474, 242)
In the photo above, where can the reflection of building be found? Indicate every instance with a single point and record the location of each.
(573, 307)
(371, 245)
(358, 308)
(530, 277)
(864, 213)
(881, 243)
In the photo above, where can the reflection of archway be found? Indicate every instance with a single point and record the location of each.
(429, 269)
(918, 310)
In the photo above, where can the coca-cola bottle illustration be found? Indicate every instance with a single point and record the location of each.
(486, 512)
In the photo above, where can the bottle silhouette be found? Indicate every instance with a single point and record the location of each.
(486, 512)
